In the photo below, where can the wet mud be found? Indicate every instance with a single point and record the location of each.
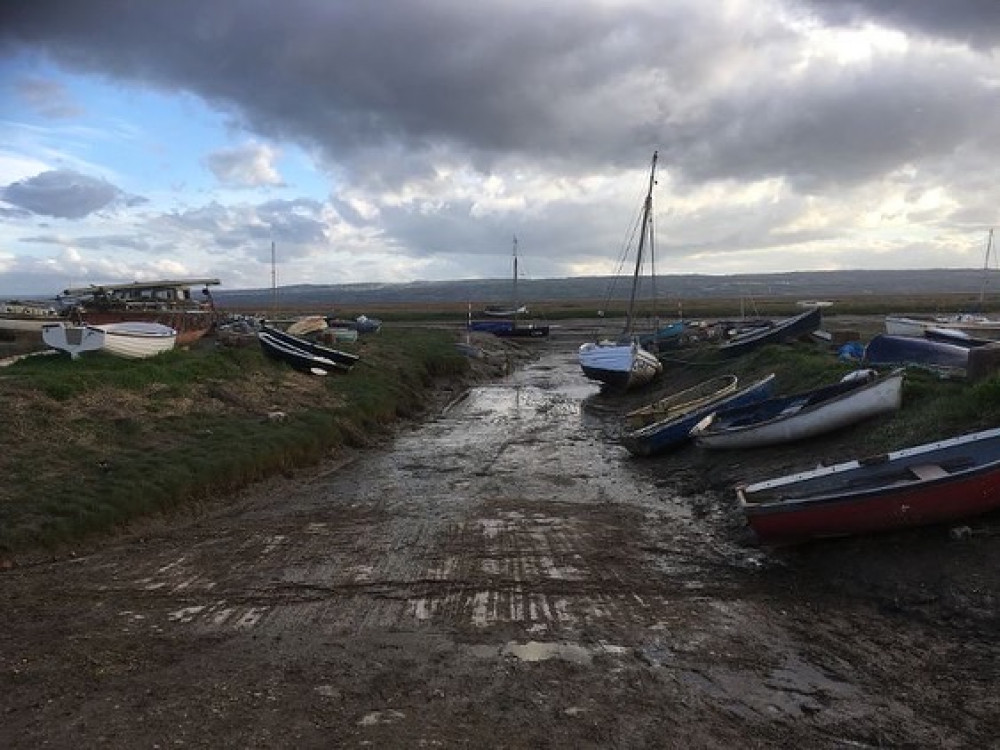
(504, 574)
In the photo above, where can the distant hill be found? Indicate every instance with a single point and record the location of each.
(481, 292)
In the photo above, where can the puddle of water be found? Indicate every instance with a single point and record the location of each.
(536, 651)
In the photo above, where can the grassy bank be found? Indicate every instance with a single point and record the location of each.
(89, 445)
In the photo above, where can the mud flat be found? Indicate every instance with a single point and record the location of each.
(504, 575)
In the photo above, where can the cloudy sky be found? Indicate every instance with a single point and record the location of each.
(395, 140)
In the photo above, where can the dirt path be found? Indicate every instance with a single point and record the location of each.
(501, 576)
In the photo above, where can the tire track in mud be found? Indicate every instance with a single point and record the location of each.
(506, 511)
(514, 538)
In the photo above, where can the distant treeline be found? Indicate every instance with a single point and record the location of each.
(481, 292)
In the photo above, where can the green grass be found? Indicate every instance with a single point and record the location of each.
(92, 444)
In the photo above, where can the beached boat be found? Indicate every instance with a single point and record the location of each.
(888, 350)
(624, 364)
(362, 324)
(28, 315)
(169, 302)
(860, 395)
(977, 326)
(73, 339)
(347, 359)
(774, 333)
(937, 482)
(673, 417)
(137, 339)
(283, 349)
(506, 323)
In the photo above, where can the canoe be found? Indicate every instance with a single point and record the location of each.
(783, 330)
(674, 427)
(938, 482)
(803, 415)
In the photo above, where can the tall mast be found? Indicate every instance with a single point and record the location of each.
(647, 212)
(986, 264)
(274, 285)
(515, 276)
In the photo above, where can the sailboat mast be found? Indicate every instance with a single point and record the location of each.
(986, 266)
(647, 210)
(514, 308)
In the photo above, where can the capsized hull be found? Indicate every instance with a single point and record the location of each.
(939, 482)
(908, 350)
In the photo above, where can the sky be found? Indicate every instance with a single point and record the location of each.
(403, 140)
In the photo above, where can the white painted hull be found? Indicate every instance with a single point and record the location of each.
(620, 366)
(977, 327)
(73, 339)
(881, 397)
(137, 340)
(25, 323)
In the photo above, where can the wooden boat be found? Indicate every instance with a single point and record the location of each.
(676, 415)
(510, 326)
(683, 401)
(137, 339)
(346, 359)
(884, 349)
(168, 302)
(774, 333)
(73, 339)
(624, 364)
(858, 396)
(296, 357)
(938, 482)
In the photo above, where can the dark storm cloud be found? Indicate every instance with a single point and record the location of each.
(535, 79)
(63, 194)
(976, 22)
(385, 89)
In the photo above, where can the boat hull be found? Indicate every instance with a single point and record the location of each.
(782, 331)
(345, 359)
(190, 325)
(802, 416)
(934, 483)
(676, 430)
(619, 367)
(978, 327)
(908, 350)
(137, 339)
(72, 339)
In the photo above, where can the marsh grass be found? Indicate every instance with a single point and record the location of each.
(92, 444)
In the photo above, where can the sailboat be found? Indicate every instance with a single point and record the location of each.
(624, 364)
(506, 323)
